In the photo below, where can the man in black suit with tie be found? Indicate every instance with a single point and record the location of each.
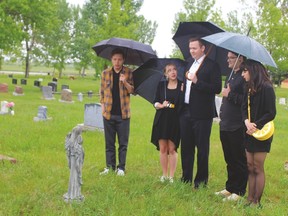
(203, 81)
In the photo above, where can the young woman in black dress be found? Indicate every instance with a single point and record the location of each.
(261, 94)
(165, 131)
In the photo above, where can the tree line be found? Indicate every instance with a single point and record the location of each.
(53, 32)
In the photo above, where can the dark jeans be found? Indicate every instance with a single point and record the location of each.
(235, 157)
(194, 134)
(119, 126)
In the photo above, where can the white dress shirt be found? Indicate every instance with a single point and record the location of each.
(194, 67)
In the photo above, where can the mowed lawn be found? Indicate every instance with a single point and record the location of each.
(36, 183)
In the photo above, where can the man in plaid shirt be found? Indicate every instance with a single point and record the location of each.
(116, 87)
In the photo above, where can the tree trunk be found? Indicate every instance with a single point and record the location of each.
(27, 63)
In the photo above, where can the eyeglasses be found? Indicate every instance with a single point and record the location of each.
(244, 70)
(229, 58)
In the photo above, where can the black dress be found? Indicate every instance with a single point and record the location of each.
(166, 121)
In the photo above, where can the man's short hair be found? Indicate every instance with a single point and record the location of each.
(202, 42)
(117, 51)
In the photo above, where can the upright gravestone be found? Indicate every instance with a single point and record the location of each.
(53, 85)
(218, 102)
(66, 95)
(18, 91)
(282, 101)
(80, 97)
(37, 83)
(4, 87)
(90, 93)
(23, 82)
(4, 108)
(93, 116)
(42, 114)
(47, 93)
(64, 87)
(14, 81)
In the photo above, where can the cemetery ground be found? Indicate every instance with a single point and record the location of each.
(35, 185)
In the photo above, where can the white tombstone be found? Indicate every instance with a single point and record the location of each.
(218, 102)
(282, 101)
(4, 108)
(80, 96)
(93, 116)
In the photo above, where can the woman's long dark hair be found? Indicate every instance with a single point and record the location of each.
(258, 75)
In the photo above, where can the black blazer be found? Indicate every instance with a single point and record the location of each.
(202, 94)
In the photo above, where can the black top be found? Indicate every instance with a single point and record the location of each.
(166, 120)
(116, 109)
(230, 110)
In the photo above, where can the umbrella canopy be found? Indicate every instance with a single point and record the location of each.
(242, 44)
(136, 53)
(187, 30)
(147, 76)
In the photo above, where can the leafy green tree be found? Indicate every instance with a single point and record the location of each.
(114, 18)
(10, 31)
(272, 32)
(196, 11)
(35, 18)
(56, 42)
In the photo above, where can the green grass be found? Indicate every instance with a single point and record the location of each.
(36, 184)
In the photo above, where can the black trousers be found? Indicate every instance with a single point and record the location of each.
(194, 134)
(235, 158)
(121, 127)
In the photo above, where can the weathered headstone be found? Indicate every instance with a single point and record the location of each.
(4, 108)
(282, 101)
(10, 75)
(75, 156)
(93, 116)
(47, 93)
(54, 79)
(23, 82)
(14, 81)
(66, 95)
(64, 87)
(53, 85)
(18, 91)
(4, 87)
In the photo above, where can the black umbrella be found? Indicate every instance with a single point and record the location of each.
(147, 76)
(136, 53)
(187, 30)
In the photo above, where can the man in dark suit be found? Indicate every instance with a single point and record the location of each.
(203, 81)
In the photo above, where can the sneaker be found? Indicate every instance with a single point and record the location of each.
(163, 179)
(171, 180)
(232, 197)
(105, 171)
(120, 172)
(223, 193)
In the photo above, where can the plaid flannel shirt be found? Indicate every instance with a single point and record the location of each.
(106, 92)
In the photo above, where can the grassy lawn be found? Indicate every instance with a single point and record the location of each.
(36, 183)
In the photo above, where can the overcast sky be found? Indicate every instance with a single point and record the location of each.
(163, 12)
